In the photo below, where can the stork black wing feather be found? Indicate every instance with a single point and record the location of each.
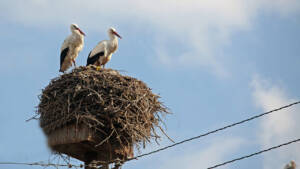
(63, 55)
(91, 60)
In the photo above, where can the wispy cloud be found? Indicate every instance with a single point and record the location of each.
(201, 27)
(278, 128)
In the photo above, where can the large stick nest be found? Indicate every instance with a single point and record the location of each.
(118, 107)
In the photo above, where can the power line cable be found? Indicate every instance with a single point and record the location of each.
(214, 131)
(254, 154)
(42, 164)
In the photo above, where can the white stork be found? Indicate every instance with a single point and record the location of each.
(101, 54)
(291, 165)
(72, 45)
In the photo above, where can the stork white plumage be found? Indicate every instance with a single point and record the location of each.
(291, 165)
(103, 51)
(72, 45)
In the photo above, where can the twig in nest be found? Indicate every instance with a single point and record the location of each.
(166, 134)
(107, 138)
(33, 118)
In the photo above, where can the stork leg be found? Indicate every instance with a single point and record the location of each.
(74, 63)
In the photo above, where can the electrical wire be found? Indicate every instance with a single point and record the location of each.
(215, 131)
(254, 154)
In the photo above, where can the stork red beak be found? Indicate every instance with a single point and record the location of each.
(117, 34)
(80, 31)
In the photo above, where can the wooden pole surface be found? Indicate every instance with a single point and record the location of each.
(90, 158)
(90, 165)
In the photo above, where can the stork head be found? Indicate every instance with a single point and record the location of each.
(112, 32)
(74, 28)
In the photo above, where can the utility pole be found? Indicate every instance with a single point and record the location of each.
(90, 162)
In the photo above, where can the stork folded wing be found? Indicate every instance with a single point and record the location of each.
(92, 59)
(63, 55)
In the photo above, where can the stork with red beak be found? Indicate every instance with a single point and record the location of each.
(103, 51)
(72, 45)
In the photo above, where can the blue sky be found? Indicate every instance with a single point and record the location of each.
(213, 62)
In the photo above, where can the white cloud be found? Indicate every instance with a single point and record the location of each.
(202, 27)
(214, 154)
(278, 128)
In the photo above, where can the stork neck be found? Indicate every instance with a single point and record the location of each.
(112, 37)
(113, 40)
(113, 44)
(76, 33)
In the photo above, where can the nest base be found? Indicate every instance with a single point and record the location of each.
(80, 142)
